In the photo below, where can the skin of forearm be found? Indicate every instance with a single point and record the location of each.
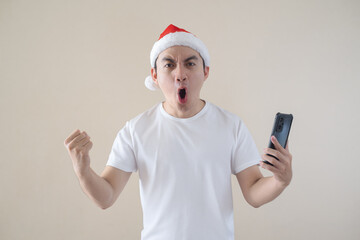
(97, 189)
(264, 190)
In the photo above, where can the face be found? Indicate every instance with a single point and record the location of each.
(180, 76)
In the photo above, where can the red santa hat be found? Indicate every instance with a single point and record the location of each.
(174, 36)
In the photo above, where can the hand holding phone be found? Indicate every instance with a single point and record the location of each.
(281, 130)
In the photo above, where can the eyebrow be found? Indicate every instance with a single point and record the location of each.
(167, 59)
(191, 58)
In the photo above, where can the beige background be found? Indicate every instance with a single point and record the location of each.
(81, 64)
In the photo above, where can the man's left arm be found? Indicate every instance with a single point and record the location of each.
(259, 190)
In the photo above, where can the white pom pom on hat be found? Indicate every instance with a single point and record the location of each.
(174, 36)
(150, 84)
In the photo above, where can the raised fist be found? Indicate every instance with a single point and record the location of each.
(78, 145)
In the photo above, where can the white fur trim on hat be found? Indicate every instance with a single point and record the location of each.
(179, 39)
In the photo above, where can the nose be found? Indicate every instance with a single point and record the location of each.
(180, 73)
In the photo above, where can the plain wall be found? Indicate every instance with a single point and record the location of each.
(81, 64)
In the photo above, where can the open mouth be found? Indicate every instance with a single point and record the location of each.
(182, 95)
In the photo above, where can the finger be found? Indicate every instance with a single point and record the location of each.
(80, 137)
(78, 142)
(83, 141)
(289, 155)
(277, 144)
(88, 146)
(287, 146)
(272, 160)
(72, 136)
(268, 167)
(275, 153)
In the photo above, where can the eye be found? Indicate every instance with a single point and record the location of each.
(169, 65)
(191, 64)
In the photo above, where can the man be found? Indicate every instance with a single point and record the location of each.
(185, 150)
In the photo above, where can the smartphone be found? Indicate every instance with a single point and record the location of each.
(281, 130)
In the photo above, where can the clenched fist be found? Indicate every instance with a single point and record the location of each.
(78, 145)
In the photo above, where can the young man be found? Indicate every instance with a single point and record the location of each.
(185, 150)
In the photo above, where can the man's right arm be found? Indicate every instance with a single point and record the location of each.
(104, 189)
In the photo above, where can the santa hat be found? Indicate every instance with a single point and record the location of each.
(174, 36)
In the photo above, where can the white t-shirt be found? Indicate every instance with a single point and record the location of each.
(185, 167)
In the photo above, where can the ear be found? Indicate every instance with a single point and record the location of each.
(154, 76)
(206, 72)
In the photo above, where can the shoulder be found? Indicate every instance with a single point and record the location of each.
(145, 119)
(151, 112)
(223, 114)
(227, 120)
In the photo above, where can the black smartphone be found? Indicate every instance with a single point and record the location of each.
(281, 130)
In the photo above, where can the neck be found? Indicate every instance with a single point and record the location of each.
(184, 111)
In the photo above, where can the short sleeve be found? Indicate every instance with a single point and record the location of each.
(122, 154)
(245, 153)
